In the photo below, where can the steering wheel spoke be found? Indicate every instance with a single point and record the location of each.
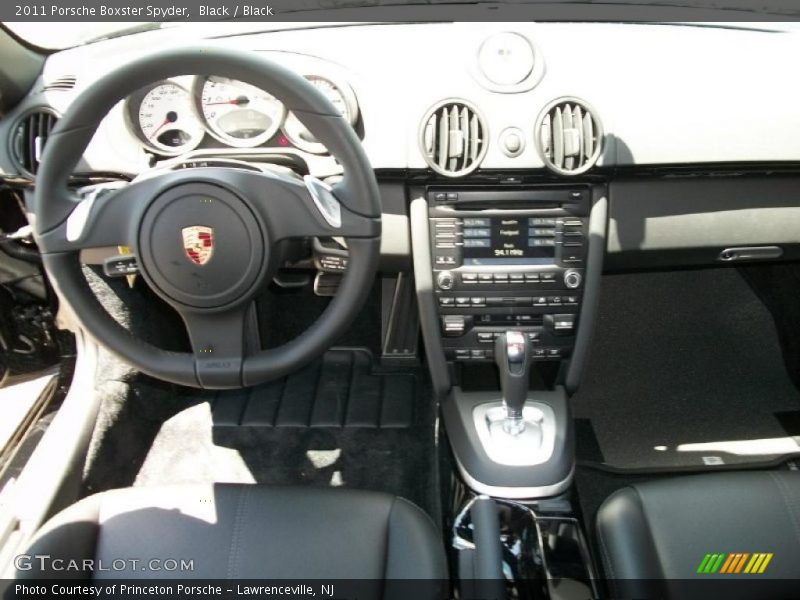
(294, 207)
(103, 215)
(220, 342)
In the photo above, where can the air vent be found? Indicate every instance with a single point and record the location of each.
(61, 84)
(29, 138)
(569, 136)
(453, 138)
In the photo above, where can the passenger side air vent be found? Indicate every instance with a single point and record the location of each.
(453, 138)
(569, 136)
(61, 84)
(29, 138)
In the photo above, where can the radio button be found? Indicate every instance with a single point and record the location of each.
(516, 277)
(550, 276)
(478, 301)
(476, 222)
(485, 337)
(445, 280)
(462, 302)
(485, 278)
(501, 277)
(573, 279)
(532, 277)
(453, 325)
(541, 232)
(469, 277)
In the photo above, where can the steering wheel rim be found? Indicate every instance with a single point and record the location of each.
(251, 211)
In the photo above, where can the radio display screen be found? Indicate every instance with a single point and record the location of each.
(509, 240)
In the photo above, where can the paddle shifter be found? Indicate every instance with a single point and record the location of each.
(513, 356)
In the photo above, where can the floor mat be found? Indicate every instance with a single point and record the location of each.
(341, 421)
(685, 372)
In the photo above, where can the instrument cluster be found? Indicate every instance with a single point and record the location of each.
(174, 116)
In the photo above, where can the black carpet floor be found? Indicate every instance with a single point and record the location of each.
(340, 422)
(685, 372)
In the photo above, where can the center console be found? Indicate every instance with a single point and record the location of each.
(508, 259)
(507, 280)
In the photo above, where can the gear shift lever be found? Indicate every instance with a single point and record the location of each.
(513, 356)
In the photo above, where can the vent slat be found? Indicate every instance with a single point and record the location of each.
(452, 139)
(475, 138)
(558, 138)
(570, 137)
(588, 136)
(30, 137)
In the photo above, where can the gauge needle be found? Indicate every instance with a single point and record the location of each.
(235, 101)
(171, 117)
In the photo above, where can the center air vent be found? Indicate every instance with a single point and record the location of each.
(453, 138)
(569, 136)
(29, 138)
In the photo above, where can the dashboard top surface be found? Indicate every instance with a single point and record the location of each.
(665, 94)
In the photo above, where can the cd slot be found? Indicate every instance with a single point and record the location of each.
(507, 205)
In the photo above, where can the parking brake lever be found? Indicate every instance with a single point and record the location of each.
(513, 357)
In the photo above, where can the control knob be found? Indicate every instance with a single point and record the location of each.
(446, 280)
(572, 279)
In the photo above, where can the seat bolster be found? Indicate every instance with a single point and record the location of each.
(413, 545)
(625, 542)
(71, 535)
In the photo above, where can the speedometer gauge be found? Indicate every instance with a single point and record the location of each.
(166, 120)
(343, 99)
(239, 114)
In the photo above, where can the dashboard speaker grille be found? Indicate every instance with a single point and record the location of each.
(63, 84)
(569, 136)
(453, 138)
(29, 138)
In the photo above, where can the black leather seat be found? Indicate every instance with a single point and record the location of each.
(246, 532)
(653, 537)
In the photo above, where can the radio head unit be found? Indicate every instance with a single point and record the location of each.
(508, 240)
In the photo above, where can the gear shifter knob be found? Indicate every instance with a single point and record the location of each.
(513, 357)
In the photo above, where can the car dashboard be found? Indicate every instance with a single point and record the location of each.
(516, 161)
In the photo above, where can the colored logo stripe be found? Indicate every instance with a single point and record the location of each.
(735, 562)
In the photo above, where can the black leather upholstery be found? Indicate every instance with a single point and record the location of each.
(248, 531)
(653, 536)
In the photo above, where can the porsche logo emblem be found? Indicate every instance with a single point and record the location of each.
(198, 243)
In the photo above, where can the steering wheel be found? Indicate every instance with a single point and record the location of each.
(205, 239)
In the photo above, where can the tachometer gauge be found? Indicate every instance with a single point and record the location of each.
(341, 96)
(166, 120)
(239, 114)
